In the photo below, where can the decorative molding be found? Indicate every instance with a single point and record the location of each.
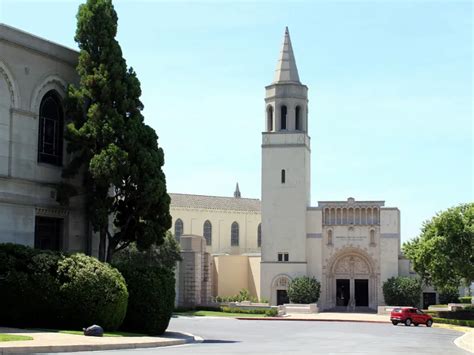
(314, 235)
(21, 112)
(51, 212)
(49, 82)
(389, 235)
(12, 87)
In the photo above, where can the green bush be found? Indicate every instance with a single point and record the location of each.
(449, 295)
(93, 292)
(271, 312)
(243, 310)
(151, 292)
(402, 291)
(51, 290)
(243, 295)
(304, 290)
(466, 299)
(465, 323)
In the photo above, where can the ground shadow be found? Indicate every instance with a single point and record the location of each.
(218, 341)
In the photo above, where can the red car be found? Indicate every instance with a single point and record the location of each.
(409, 316)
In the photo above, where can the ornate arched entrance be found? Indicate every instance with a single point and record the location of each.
(351, 281)
(279, 289)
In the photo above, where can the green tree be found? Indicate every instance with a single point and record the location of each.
(402, 291)
(443, 254)
(109, 143)
(304, 290)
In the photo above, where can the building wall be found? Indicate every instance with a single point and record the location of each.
(221, 220)
(29, 68)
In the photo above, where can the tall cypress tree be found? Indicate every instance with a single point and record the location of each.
(110, 145)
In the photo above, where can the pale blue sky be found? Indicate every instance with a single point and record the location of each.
(390, 90)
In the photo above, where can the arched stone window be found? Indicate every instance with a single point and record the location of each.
(207, 232)
(372, 237)
(50, 132)
(298, 125)
(234, 234)
(270, 118)
(330, 237)
(283, 114)
(178, 229)
(259, 235)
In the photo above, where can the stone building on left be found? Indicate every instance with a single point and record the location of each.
(34, 74)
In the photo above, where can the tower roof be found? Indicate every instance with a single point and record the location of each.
(286, 71)
(237, 191)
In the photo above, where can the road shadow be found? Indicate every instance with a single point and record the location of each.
(218, 341)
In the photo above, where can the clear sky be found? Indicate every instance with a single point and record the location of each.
(390, 91)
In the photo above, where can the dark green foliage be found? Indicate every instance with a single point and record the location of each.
(93, 292)
(443, 254)
(465, 299)
(271, 312)
(47, 289)
(464, 314)
(243, 295)
(109, 141)
(304, 290)
(151, 292)
(449, 295)
(465, 323)
(402, 291)
(245, 310)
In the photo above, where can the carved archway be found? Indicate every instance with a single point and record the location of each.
(279, 283)
(356, 269)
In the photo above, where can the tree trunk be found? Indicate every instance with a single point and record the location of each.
(102, 243)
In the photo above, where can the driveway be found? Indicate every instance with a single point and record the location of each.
(232, 336)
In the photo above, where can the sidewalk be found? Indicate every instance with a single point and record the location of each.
(58, 342)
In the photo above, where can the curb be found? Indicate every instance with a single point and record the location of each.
(466, 342)
(95, 347)
(315, 320)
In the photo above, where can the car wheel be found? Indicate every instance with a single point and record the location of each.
(429, 323)
(416, 324)
(408, 322)
(394, 322)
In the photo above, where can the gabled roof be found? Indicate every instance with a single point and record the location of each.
(215, 202)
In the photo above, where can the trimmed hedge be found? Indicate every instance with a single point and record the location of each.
(304, 290)
(151, 290)
(49, 289)
(402, 291)
(465, 323)
(466, 299)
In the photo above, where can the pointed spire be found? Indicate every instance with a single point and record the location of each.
(237, 191)
(286, 70)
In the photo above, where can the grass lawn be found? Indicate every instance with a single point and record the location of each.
(106, 334)
(218, 314)
(13, 337)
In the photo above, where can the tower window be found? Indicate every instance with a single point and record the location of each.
(50, 133)
(298, 119)
(283, 257)
(178, 229)
(48, 233)
(207, 232)
(259, 235)
(283, 112)
(234, 234)
(283, 176)
(270, 118)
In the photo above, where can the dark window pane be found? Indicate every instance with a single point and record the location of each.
(48, 233)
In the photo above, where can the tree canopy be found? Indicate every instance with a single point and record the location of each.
(110, 143)
(304, 290)
(402, 291)
(443, 254)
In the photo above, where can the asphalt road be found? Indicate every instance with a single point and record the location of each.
(232, 336)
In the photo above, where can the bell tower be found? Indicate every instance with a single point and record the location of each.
(285, 175)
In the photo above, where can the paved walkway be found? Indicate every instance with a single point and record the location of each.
(342, 316)
(58, 342)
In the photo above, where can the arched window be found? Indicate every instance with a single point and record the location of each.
(259, 235)
(329, 237)
(50, 133)
(283, 112)
(372, 237)
(178, 229)
(283, 176)
(234, 234)
(298, 119)
(207, 232)
(270, 118)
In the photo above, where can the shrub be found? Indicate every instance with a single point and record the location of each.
(402, 291)
(271, 312)
(48, 289)
(93, 292)
(449, 295)
(243, 310)
(151, 292)
(465, 323)
(466, 299)
(243, 295)
(304, 290)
